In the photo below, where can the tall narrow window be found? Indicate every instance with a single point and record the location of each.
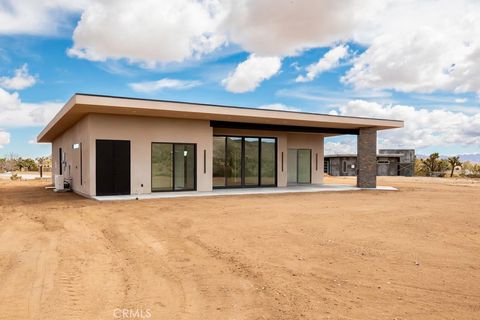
(60, 161)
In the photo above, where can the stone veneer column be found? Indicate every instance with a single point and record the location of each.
(367, 158)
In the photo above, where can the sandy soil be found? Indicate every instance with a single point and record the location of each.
(409, 254)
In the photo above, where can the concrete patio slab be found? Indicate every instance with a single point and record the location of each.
(242, 191)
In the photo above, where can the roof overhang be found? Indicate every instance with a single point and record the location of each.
(82, 104)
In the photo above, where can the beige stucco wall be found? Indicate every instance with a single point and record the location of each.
(142, 131)
(313, 142)
(79, 133)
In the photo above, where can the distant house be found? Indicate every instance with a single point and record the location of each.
(390, 162)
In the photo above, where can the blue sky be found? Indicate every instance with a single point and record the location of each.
(424, 72)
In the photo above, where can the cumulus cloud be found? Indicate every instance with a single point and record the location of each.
(15, 113)
(4, 138)
(285, 27)
(329, 61)
(147, 31)
(21, 80)
(345, 146)
(165, 83)
(420, 47)
(250, 73)
(36, 17)
(410, 46)
(279, 107)
(423, 127)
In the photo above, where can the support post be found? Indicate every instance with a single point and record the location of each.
(367, 158)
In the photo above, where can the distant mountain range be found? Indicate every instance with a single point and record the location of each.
(473, 157)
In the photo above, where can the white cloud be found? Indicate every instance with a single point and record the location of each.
(4, 138)
(147, 31)
(278, 106)
(37, 17)
(15, 113)
(411, 46)
(166, 83)
(250, 73)
(329, 61)
(423, 127)
(461, 100)
(345, 146)
(21, 80)
(420, 46)
(284, 27)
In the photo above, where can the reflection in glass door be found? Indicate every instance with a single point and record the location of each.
(244, 161)
(184, 164)
(304, 163)
(251, 161)
(299, 166)
(233, 167)
(173, 166)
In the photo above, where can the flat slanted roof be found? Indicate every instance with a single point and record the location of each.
(81, 104)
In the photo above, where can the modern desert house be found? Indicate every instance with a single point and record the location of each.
(105, 145)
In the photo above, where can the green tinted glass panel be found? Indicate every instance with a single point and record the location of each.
(219, 161)
(233, 166)
(267, 161)
(162, 169)
(184, 166)
(304, 163)
(251, 161)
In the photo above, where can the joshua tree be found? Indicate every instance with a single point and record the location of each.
(454, 161)
(432, 163)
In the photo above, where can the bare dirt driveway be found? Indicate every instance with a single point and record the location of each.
(409, 254)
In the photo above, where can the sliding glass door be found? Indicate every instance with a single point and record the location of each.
(244, 161)
(173, 166)
(299, 166)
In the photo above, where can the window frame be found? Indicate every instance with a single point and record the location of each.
(242, 184)
(173, 166)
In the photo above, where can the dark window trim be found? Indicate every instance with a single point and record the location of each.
(60, 160)
(242, 184)
(173, 166)
(81, 164)
(277, 127)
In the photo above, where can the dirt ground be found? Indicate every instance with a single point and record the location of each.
(408, 254)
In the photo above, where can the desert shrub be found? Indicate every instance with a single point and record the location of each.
(15, 176)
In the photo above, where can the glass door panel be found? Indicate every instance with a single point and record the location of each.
(233, 165)
(162, 173)
(268, 162)
(292, 166)
(219, 161)
(184, 164)
(304, 162)
(251, 161)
